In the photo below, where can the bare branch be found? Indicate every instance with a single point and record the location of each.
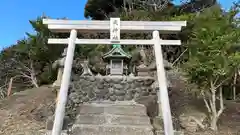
(27, 72)
(179, 56)
(26, 68)
(1, 87)
(216, 80)
(220, 84)
(24, 75)
(206, 103)
(157, 5)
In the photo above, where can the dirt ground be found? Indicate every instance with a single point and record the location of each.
(229, 123)
(25, 113)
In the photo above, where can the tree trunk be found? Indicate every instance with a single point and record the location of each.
(213, 107)
(214, 113)
(214, 120)
(234, 85)
(34, 81)
(10, 87)
(125, 6)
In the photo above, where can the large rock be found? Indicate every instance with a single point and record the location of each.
(190, 120)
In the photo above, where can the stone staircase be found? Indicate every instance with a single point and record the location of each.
(112, 118)
(106, 118)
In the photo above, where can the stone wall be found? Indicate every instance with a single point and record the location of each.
(111, 88)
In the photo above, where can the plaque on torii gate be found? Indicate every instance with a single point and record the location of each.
(114, 26)
(115, 30)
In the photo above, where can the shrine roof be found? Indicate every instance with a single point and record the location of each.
(116, 52)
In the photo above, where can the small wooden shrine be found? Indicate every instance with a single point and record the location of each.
(117, 60)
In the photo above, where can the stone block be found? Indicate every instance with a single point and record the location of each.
(49, 132)
(112, 119)
(114, 88)
(91, 119)
(126, 110)
(115, 109)
(91, 109)
(129, 120)
(111, 130)
(175, 133)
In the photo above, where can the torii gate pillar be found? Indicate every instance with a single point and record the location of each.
(162, 82)
(62, 98)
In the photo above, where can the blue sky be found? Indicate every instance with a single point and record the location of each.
(15, 15)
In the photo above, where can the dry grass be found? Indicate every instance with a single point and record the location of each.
(25, 113)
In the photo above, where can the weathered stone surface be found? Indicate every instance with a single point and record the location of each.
(126, 110)
(175, 133)
(113, 98)
(118, 86)
(85, 109)
(126, 120)
(111, 130)
(91, 119)
(112, 88)
(64, 132)
(86, 70)
(112, 119)
(116, 109)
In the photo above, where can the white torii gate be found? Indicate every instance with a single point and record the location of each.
(114, 26)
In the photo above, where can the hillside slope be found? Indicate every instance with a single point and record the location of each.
(229, 122)
(25, 113)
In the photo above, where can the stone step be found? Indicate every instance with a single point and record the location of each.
(49, 132)
(84, 129)
(112, 119)
(116, 109)
(175, 133)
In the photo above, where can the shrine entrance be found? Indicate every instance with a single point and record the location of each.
(114, 27)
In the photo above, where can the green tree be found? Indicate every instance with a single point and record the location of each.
(28, 62)
(211, 59)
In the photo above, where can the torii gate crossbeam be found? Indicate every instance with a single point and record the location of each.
(102, 26)
(63, 26)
